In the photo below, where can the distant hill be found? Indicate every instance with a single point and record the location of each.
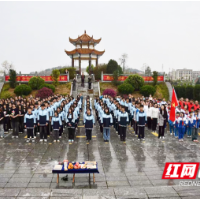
(131, 70)
(48, 71)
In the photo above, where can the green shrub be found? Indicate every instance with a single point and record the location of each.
(22, 90)
(135, 80)
(71, 70)
(189, 91)
(197, 92)
(180, 91)
(35, 82)
(5, 95)
(125, 88)
(146, 90)
(50, 86)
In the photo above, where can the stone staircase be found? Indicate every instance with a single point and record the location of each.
(169, 86)
(84, 89)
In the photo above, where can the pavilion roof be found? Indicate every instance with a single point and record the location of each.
(85, 38)
(85, 51)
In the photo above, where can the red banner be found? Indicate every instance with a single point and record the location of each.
(123, 78)
(23, 78)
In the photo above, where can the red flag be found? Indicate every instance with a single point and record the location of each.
(174, 103)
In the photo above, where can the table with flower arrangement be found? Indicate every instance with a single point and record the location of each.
(90, 167)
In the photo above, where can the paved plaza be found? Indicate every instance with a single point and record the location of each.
(127, 170)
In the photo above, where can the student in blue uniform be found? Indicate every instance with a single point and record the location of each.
(176, 125)
(181, 126)
(43, 119)
(141, 122)
(123, 120)
(107, 121)
(135, 118)
(89, 123)
(56, 126)
(29, 124)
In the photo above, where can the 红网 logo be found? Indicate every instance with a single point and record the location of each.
(180, 171)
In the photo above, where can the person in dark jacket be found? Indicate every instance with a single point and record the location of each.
(1, 123)
(21, 119)
(43, 119)
(6, 118)
(89, 121)
(56, 126)
(70, 120)
(141, 121)
(15, 121)
(29, 124)
(123, 120)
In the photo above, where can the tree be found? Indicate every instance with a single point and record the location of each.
(12, 80)
(123, 60)
(55, 75)
(135, 80)
(71, 70)
(113, 66)
(116, 75)
(147, 71)
(7, 66)
(35, 82)
(155, 77)
(88, 70)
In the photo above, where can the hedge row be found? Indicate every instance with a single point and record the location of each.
(190, 92)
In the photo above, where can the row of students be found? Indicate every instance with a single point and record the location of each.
(157, 115)
(43, 116)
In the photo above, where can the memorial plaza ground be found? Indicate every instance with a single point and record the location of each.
(127, 170)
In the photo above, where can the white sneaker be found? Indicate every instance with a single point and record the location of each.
(54, 141)
(72, 140)
(163, 137)
(69, 140)
(33, 140)
(13, 136)
(28, 140)
(45, 140)
(16, 136)
(143, 139)
(138, 139)
(35, 137)
(41, 140)
(116, 131)
(58, 140)
(170, 133)
(59, 136)
(38, 133)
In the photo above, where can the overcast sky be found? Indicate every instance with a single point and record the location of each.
(33, 35)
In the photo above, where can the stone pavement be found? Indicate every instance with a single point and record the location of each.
(127, 170)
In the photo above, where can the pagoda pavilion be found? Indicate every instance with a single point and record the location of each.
(85, 50)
